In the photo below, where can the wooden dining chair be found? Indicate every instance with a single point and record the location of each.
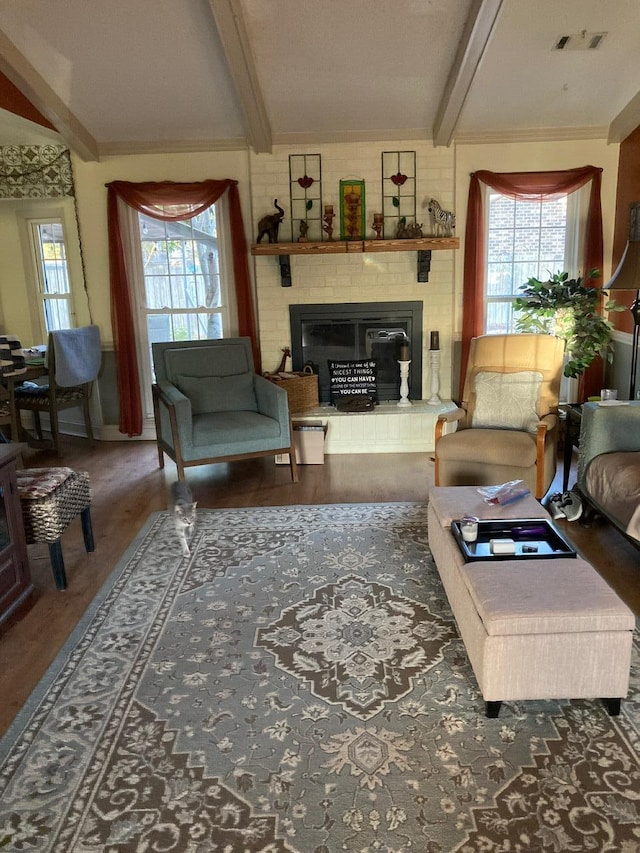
(73, 362)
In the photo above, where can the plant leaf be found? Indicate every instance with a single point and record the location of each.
(395, 201)
(309, 204)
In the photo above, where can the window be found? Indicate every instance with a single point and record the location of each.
(181, 292)
(525, 239)
(52, 273)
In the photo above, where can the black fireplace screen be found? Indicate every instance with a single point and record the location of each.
(352, 331)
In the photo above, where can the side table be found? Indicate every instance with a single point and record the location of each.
(572, 423)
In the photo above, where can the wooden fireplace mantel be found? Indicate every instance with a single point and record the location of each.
(422, 245)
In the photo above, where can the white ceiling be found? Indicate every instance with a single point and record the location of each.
(128, 76)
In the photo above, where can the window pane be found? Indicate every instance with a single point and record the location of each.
(57, 314)
(181, 269)
(53, 257)
(527, 214)
(527, 244)
(499, 318)
(499, 279)
(183, 327)
(554, 213)
(53, 274)
(499, 245)
(524, 239)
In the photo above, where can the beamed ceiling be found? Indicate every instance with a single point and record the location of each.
(197, 75)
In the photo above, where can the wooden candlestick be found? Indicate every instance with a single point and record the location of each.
(327, 222)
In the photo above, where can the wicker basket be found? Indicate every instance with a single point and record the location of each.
(301, 388)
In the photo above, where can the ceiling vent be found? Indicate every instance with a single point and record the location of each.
(579, 41)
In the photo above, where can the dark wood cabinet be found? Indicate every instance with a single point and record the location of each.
(15, 577)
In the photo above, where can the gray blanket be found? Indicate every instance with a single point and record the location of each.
(614, 481)
(78, 355)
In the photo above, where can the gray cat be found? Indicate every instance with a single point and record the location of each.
(183, 508)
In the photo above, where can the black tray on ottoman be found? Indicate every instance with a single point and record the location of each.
(533, 538)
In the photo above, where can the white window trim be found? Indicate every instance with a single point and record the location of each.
(33, 275)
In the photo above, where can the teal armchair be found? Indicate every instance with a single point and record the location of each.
(210, 405)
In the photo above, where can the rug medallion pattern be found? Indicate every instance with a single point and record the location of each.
(297, 685)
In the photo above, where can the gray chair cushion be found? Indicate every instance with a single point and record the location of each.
(226, 433)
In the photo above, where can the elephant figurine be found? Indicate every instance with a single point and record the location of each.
(270, 224)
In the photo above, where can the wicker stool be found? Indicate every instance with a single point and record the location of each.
(50, 499)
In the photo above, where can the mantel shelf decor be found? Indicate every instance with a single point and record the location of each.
(422, 245)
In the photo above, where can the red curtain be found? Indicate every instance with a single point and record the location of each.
(522, 186)
(168, 201)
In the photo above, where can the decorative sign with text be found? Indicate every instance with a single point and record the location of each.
(352, 378)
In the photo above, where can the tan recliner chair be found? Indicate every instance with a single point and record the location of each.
(507, 424)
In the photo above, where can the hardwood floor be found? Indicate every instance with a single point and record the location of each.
(127, 486)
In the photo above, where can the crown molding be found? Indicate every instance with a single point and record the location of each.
(329, 137)
(539, 134)
(169, 146)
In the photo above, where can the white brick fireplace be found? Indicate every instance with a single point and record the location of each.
(348, 278)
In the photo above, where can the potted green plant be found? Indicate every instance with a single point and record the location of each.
(568, 308)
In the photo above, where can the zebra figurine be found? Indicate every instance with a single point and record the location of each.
(443, 222)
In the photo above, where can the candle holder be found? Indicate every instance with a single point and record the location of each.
(378, 225)
(327, 221)
(404, 384)
(434, 363)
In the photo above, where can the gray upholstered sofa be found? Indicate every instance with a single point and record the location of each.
(609, 464)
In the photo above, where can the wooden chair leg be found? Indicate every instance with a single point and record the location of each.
(87, 419)
(55, 429)
(57, 563)
(37, 424)
(156, 420)
(293, 464)
(87, 529)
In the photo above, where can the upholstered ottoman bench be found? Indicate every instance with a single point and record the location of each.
(50, 499)
(534, 628)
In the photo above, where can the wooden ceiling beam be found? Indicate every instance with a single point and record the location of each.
(475, 37)
(17, 68)
(237, 48)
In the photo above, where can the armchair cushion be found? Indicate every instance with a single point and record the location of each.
(219, 393)
(507, 400)
(235, 432)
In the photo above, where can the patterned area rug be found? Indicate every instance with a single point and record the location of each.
(297, 685)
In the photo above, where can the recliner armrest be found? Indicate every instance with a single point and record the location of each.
(448, 418)
(547, 423)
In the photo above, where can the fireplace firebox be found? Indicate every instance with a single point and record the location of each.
(359, 330)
